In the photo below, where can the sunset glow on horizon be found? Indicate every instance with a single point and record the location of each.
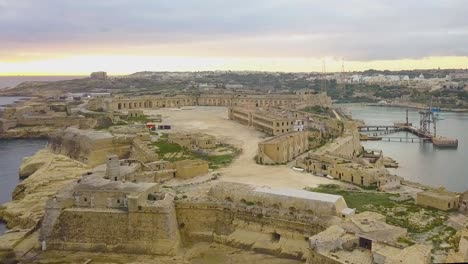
(122, 65)
(54, 37)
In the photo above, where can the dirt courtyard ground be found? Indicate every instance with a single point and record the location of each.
(244, 169)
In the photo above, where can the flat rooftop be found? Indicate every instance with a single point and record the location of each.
(313, 196)
(443, 196)
(93, 183)
(92, 134)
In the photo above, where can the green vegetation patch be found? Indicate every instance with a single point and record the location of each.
(181, 153)
(165, 147)
(317, 109)
(416, 218)
(218, 161)
(139, 119)
(357, 199)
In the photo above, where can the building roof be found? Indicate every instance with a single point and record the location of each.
(372, 226)
(282, 137)
(96, 184)
(440, 196)
(324, 197)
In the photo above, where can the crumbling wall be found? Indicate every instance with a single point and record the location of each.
(247, 228)
(141, 152)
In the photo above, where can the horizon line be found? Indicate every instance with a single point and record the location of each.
(192, 71)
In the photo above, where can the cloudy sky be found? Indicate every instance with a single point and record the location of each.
(79, 36)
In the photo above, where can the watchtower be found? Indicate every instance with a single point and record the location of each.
(113, 168)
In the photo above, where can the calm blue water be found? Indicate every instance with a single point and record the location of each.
(12, 153)
(421, 162)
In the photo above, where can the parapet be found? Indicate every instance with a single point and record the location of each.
(291, 199)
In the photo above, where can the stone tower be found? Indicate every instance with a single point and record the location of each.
(113, 168)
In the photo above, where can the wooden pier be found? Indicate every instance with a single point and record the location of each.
(422, 136)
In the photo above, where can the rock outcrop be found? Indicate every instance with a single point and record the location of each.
(29, 197)
(32, 164)
(28, 132)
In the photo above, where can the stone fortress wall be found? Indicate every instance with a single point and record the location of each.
(302, 99)
(143, 218)
(38, 114)
(88, 146)
(283, 148)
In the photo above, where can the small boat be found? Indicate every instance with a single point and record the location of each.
(373, 138)
(364, 137)
(298, 169)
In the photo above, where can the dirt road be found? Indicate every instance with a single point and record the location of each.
(214, 121)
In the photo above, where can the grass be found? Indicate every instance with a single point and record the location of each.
(167, 147)
(215, 161)
(317, 110)
(218, 161)
(140, 119)
(405, 240)
(357, 199)
(397, 213)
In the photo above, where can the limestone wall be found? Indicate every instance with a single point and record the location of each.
(87, 146)
(141, 152)
(228, 100)
(436, 200)
(246, 228)
(283, 148)
(288, 201)
(115, 231)
(186, 169)
(48, 120)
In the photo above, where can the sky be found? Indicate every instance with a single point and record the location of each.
(79, 36)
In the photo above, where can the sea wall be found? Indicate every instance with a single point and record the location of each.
(89, 146)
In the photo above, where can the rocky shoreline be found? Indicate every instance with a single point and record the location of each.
(44, 174)
(36, 132)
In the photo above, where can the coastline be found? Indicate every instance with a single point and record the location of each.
(402, 105)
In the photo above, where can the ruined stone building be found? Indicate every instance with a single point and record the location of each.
(282, 149)
(441, 200)
(143, 218)
(365, 238)
(38, 114)
(343, 169)
(89, 146)
(193, 141)
(345, 159)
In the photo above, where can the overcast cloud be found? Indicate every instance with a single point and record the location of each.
(349, 29)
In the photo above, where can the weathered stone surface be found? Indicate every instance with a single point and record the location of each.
(32, 164)
(9, 240)
(30, 196)
(28, 132)
(89, 146)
